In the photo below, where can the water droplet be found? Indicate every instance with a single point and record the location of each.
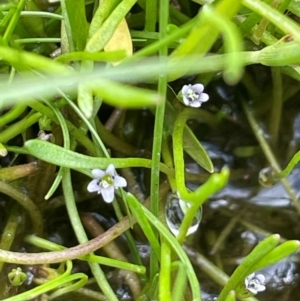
(176, 209)
(266, 177)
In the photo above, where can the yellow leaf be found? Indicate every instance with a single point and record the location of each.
(121, 40)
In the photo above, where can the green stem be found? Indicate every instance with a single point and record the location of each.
(23, 60)
(158, 129)
(62, 280)
(62, 157)
(51, 246)
(269, 154)
(75, 219)
(275, 118)
(81, 235)
(27, 203)
(9, 232)
(211, 186)
(86, 56)
(19, 127)
(37, 40)
(66, 138)
(12, 114)
(174, 36)
(40, 14)
(294, 161)
(98, 41)
(13, 21)
(168, 160)
(151, 15)
(164, 291)
(76, 133)
(180, 283)
(240, 273)
(287, 25)
(79, 250)
(194, 284)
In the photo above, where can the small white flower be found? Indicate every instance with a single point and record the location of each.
(193, 96)
(105, 182)
(255, 283)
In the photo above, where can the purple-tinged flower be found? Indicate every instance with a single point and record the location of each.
(105, 182)
(193, 96)
(255, 283)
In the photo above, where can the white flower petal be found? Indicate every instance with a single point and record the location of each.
(186, 101)
(260, 287)
(98, 173)
(204, 97)
(108, 194)
(252, 290)
(193, 96)
(198, 88)
(261, 278)
(120, 182)
(251, 276)
(93, 186)
(111, 170)
(195, 104)
(255, 283)
(184, 89)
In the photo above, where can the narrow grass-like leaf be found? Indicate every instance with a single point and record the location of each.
(58, 155)
(195, 149)
(60, 281)
(23, 60)
(78, 24)
(85, 100)
(284, 23)
(194, 284)
(119, 95)
(51, 246)
(164, 290)
(13, 21)
(179, 283)
(98, 56)
(137, 211)
(101, 37)
(260, 251)
(284, 250)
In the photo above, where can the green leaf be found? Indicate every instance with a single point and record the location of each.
(259, 252)
(76, 24)
(62, 157)
(101, 37)
(279, 253)
(135, 207)
(195, 149)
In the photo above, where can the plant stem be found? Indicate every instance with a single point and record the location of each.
(269, 154)
(275, 118)
(27, 203)
(151, 15)
(81, 235)
(158, 129)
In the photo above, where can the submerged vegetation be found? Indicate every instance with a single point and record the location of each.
(149, 150)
